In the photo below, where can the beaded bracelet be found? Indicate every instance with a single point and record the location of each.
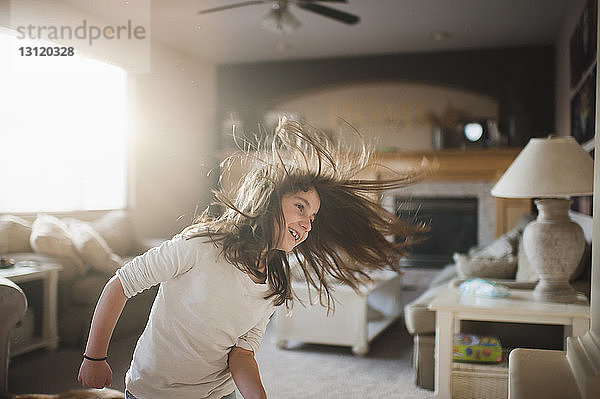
(94, 359)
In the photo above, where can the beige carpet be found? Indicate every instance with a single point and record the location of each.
(328, 372)
(303, 371)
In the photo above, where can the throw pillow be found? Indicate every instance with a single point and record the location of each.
(92, 247)
(525, 270)
(506, 244)
(502, 246)
(50, 236)
(14, 234)
(117, 230)
(468, 266)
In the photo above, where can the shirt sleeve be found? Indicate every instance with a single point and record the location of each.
(252, 339)
(170, 259)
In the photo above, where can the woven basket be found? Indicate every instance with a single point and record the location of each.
(476, 381)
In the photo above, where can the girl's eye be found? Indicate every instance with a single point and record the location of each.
(300, 207)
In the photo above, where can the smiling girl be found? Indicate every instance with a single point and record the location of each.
(221, 278)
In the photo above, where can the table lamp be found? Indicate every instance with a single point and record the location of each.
(551, 170)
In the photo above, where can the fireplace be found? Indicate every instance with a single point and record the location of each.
(467, 174)
(452, 223)
(470, 210)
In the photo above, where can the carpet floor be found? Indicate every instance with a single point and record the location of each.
(299, 372)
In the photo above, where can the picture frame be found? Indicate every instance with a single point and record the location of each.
(585, 204)
(582, 45)
(583, 110)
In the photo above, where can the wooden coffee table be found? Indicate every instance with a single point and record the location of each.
(519, 307)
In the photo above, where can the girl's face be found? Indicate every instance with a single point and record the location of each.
(299, 211)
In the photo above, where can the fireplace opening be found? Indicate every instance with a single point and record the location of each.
(452, 223)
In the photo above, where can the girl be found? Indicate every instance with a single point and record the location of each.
(221, 278)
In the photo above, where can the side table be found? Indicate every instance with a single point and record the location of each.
(519, 307)
(47, 337)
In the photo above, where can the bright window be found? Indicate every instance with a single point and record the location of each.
(63, 141)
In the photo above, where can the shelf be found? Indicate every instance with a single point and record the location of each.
(453, 165)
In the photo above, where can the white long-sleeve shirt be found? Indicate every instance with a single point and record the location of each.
(203, 308)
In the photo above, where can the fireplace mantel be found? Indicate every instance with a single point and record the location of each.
(468, 165)
(454, 165)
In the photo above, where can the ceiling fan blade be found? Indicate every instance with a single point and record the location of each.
(243, 4)
(330, 12)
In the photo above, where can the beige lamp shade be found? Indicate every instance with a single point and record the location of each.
(552, 167)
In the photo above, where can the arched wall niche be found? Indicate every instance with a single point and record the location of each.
(392, 115)
(521, 79)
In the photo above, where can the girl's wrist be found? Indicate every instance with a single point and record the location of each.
(95, 359)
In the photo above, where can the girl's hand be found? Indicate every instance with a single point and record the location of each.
(95, 374)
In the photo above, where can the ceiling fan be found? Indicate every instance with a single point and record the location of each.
(280, 19)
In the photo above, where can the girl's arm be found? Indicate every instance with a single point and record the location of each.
(98, 374)
(245, 373)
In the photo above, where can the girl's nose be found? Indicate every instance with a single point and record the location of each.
(306, 224)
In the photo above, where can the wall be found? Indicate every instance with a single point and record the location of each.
(521, 79)
(396, 116)
(130, 52)
(173, 144)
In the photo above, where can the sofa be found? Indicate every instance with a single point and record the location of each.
(503, 261)
(89, 252)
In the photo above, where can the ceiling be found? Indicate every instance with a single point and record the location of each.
(386, 26)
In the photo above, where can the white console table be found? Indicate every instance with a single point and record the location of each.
(48, 274)
(519, 307)
(350, 324)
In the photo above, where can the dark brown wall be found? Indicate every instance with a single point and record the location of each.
(522, 79)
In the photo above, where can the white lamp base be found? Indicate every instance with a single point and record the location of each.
(554, 245)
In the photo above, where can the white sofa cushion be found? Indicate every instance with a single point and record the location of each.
(525, 270)
(116, 229)
(51, 236)
(14, 234)
(94, 251)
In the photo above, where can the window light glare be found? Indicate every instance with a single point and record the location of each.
(65, 125)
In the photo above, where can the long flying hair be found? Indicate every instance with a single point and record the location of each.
(350, 235)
